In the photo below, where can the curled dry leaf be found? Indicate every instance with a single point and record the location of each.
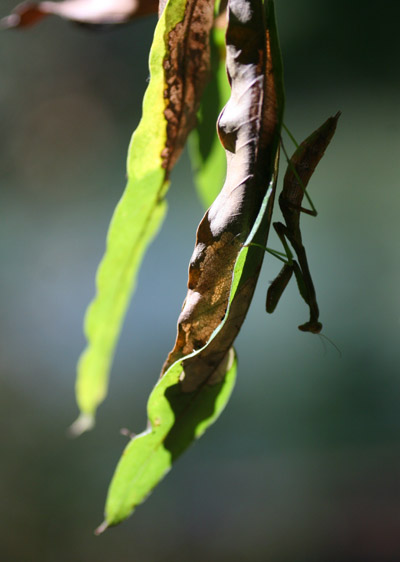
(249, 128)
(94, 12)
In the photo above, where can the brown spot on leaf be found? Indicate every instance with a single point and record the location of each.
(186, 73)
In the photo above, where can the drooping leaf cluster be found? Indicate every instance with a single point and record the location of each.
(199, 371)
(236, 172)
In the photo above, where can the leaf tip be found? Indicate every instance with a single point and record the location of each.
(101, 528)
(9, 22)
(83, 423)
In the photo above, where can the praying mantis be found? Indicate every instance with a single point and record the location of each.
(299, 171)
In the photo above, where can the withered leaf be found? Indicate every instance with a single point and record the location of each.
(94, 12)
(249, 128)
(186, 72)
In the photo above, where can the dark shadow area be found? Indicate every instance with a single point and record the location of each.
(190, 410)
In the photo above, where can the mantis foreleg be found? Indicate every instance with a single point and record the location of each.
(300, 168)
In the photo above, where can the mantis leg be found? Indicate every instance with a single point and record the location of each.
(280, 283)
(303, 278)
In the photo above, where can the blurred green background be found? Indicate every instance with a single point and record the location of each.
(304, 463)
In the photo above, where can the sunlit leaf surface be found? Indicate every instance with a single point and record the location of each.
(179, 69)
(197, 377)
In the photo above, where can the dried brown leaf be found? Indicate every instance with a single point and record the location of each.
(249, 129)
(95, 12)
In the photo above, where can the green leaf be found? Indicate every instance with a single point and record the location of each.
(176, 417)
(175, 420)
(178, 70)
(206, 152)
(197, 377)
